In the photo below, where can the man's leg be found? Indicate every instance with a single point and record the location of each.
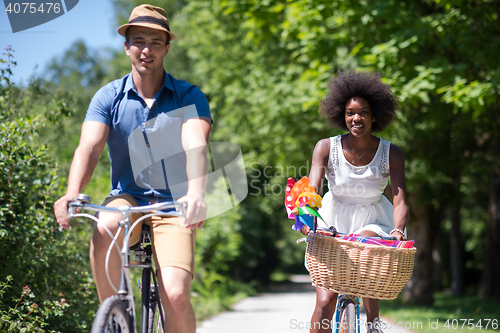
(174, 253)
(175, 287)
(99, 246)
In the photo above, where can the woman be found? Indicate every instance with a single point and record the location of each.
(358, 166)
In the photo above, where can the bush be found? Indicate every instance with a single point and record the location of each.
(37, 261)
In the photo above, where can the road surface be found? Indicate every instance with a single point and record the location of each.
(286, 308)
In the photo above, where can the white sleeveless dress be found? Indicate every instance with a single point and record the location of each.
(355, 201)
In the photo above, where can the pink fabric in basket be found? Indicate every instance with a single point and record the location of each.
(375, 241)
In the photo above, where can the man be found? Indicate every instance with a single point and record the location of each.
(157, 129)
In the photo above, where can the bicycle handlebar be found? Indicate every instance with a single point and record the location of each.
(180, 208)
(84, 202)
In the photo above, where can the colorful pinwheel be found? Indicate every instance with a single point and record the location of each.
(301, 202)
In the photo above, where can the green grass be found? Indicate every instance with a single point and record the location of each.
(447, 314)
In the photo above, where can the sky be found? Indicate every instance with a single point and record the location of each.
(90, 20)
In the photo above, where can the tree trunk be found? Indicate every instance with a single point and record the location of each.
(437, 259)
(419, 289)
(491, 273)
(456, 253)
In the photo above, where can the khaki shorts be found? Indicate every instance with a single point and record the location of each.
(173, 245)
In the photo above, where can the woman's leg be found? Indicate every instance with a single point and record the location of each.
(325, 307)
(372, 307)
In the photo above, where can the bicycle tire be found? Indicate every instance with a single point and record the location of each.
(112, 317)
(153, 321)
(348, 318)
(155, 318)
(145, 300)
(156, 314)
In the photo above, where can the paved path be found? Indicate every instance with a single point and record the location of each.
(286, 308)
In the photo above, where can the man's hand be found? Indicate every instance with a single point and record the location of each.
(61, 210)
(196, 211)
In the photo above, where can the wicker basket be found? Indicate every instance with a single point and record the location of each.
(356, 268)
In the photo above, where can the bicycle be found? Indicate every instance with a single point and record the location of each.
(117, 313)
(335, 264)
(347, 314)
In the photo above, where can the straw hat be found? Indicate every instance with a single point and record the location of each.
(150, 17)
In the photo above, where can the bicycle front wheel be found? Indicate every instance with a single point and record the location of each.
(112, 317)
(348, 318)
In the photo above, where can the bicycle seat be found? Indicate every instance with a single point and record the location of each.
(144, 238)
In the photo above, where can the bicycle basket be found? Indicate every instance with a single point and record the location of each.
(360, 269)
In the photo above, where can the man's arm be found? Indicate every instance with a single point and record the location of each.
(195, 136)
(92, 141)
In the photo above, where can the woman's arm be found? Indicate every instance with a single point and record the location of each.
(318, 169)
(319, 163)
(398, 185)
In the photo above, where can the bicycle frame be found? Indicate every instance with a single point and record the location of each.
(147, 290)
(124, 290)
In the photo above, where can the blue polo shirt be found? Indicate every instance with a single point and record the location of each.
(147, 159)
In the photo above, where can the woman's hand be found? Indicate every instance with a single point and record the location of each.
(399, 236)
(305, 230)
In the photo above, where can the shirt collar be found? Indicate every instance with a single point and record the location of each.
(167, 82)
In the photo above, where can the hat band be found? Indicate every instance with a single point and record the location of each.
(149, 19)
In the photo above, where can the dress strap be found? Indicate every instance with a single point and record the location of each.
(334, 152)
(383, 168)
(333, 159)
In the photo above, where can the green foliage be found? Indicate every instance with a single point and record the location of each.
(26, 315)
(65, 88)
(218, 248)
(265, 66)
(35, 256)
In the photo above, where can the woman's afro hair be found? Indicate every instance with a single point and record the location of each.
(367, 85)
